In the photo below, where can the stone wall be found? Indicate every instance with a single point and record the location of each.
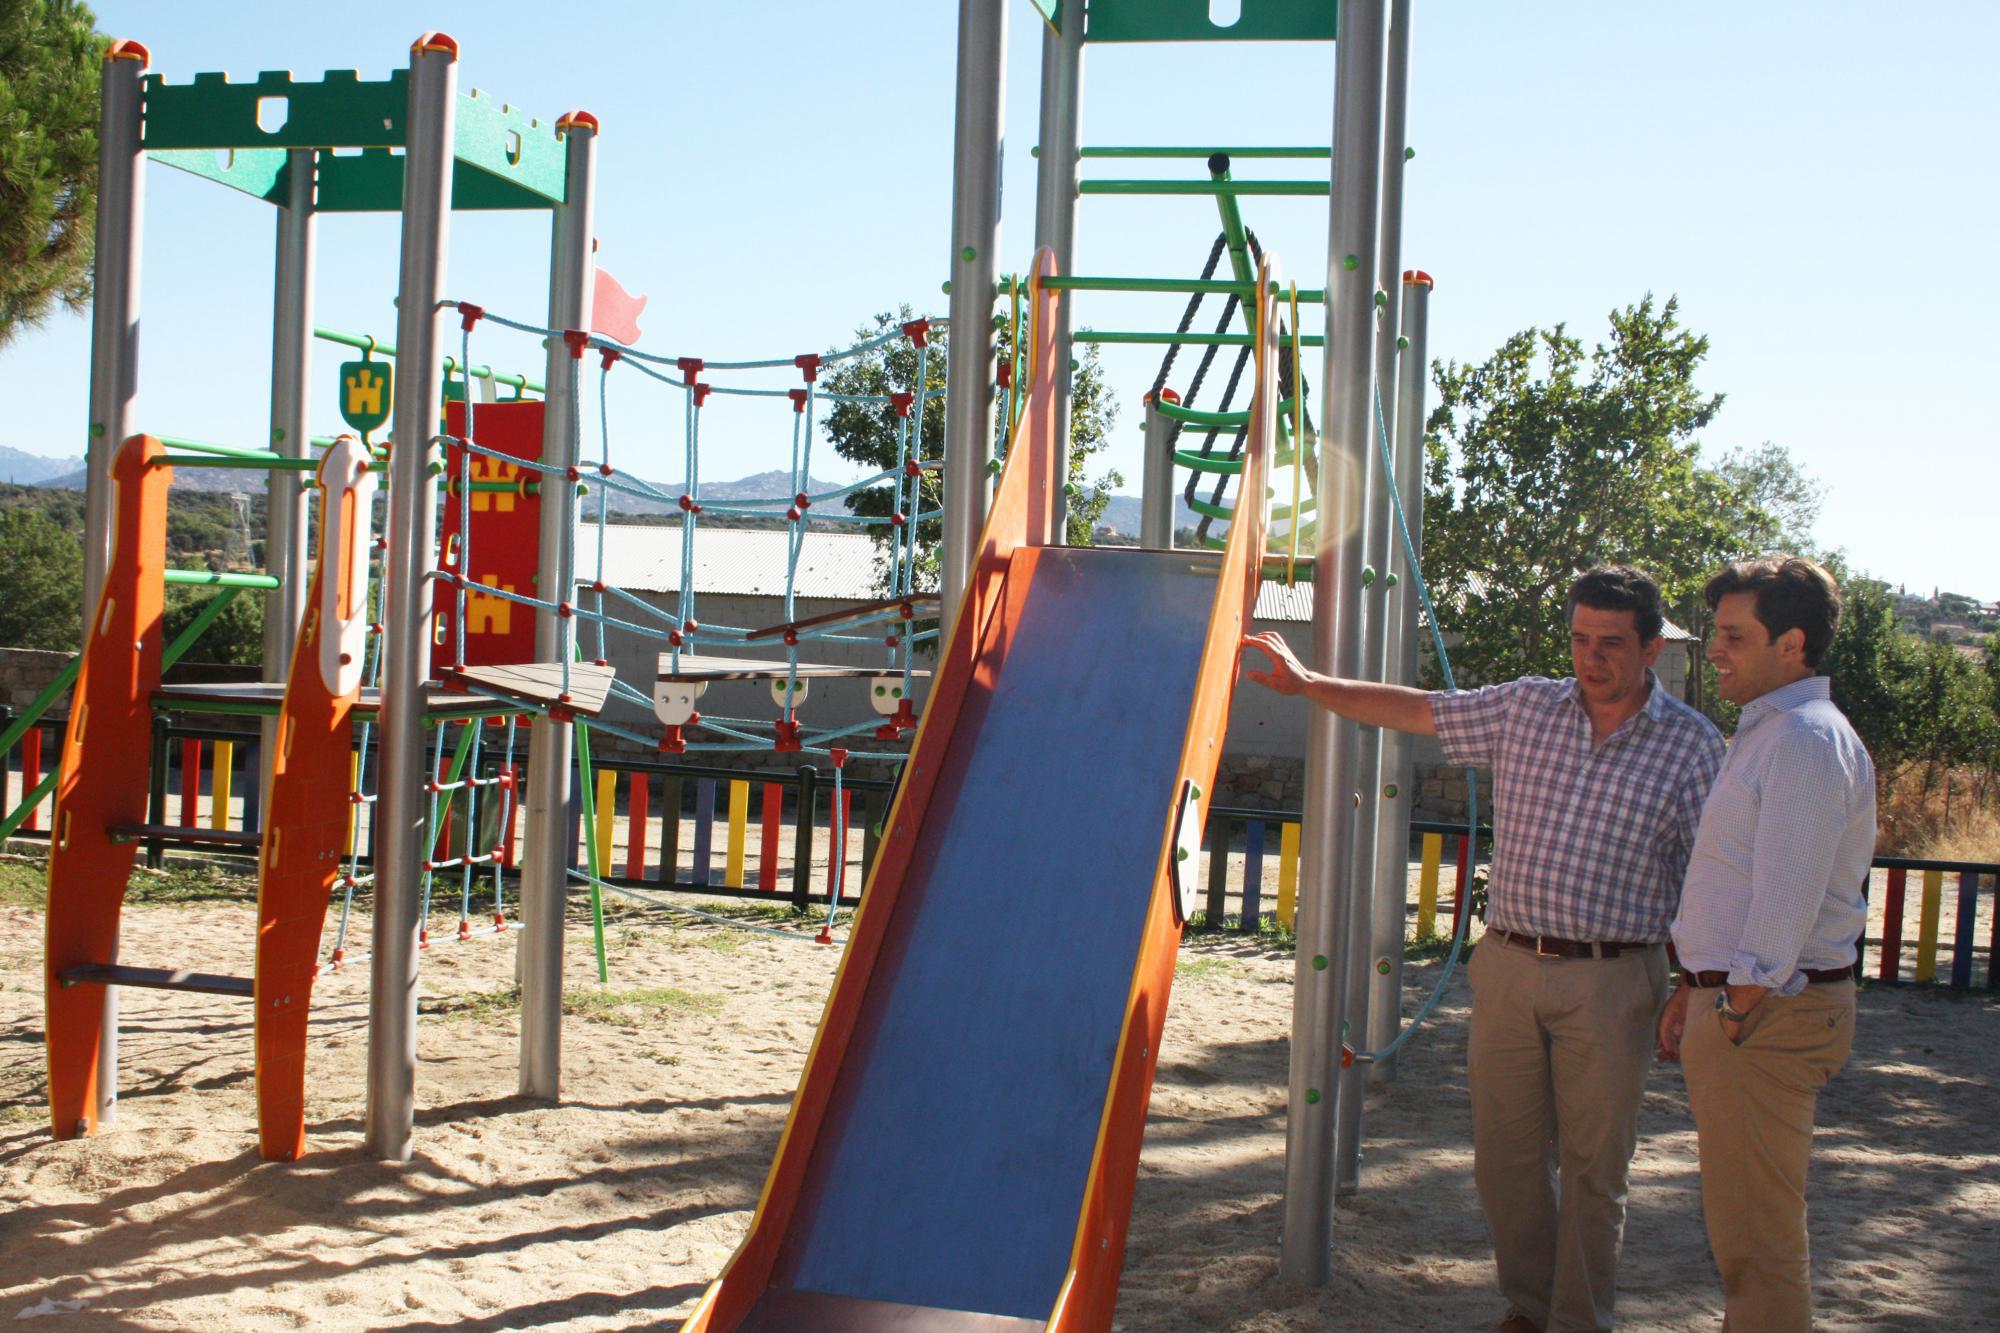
(25, 673)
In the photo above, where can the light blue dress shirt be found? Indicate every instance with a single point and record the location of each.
(1775, 882)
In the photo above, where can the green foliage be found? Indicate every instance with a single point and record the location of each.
(235, 638)
(49, 64)
(41, 582)
(866, 433)
(1777, 504)
(1546, 459)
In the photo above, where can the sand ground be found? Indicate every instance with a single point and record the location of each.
(615, 1208)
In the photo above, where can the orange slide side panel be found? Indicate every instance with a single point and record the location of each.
(110, 721)
(1090, 1296)
(305, 829)
(1021, 514)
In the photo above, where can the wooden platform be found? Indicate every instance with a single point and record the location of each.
(537, 684)
(922, 605)
(747, 668)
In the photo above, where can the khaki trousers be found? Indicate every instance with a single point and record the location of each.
(1753, 1104)
(1558, 1058)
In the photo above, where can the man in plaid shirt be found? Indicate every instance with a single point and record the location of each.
(1598, 784)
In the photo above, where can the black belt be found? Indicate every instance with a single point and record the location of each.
(1548, 946)
(1716, 978)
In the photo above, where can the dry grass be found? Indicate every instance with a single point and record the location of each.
(1913, 821)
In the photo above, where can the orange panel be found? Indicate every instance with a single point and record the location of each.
(110, 721)
(305, 820)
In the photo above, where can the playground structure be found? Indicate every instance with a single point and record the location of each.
(460, 151)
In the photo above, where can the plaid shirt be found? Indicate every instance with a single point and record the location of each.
(1589, 842)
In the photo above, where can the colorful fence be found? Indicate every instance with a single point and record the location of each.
(784, 837)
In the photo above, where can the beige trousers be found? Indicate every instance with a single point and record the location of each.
(1753, 1104)
(1558, 1058)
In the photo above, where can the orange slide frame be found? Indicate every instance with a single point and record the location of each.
(1022, 515)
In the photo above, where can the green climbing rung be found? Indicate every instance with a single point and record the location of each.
(1194, 416)
(275, 463)
(1302, 189)
(215, 578)
(1211, 463)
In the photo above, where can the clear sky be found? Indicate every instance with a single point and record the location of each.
(1816, 181)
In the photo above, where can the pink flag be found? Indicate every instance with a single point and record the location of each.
(615, 311)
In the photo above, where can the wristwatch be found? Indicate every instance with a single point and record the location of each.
(1722, 1007)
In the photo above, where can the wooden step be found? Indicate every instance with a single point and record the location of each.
(154, 978)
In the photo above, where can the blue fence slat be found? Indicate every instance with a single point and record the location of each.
(1961, 936)
(704, 827)
(1253, 876)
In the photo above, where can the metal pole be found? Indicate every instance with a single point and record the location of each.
(545, 864)
(1375, 952)
(406, 564)
(114, 380)
(1406, 631)
(1318, 999)
(1156, 482)
(978, 156)
(1055, 203)
(286, 520)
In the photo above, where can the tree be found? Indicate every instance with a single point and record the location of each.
(1779, 503)
(42, 605)
(1545, 460)
(49, 69)
(866, 433)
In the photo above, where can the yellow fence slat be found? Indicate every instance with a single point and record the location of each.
(1927, 925)
(1288, 873)
(607, 808)
(218, 785)
(739, 822)
(1427, 886)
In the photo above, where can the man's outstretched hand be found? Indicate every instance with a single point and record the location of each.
(1287, 674)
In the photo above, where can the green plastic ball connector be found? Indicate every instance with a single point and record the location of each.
(993, 467)
(1351, 263)
(1319, 962)
(1381, 297)
(1402, 344)
(1368, 576)
(436, 468)
(1390, 582)
(947, 286)
(1312, 1096)
(1180, 853)
(1390, 791)
(1409, 153)
(96, 430)
(1074, 365)
(277, 434)
(1382, 967)
(968, 254)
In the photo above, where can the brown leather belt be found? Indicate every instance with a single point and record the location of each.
(1548, 946)
(1716, 978)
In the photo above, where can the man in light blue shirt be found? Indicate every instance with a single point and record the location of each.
(1766, 931)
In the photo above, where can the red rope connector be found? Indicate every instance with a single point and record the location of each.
(701, 392)
(809, 365)
(825, 935)
(798, 397)
(690, 368)
(688, 504)
(898, 521)
(432, 788)
(565, 610)
(573, 472)
(579, 342)
(913, 468)
(785, 739)
(690, 626)
(610, 356)
(500, 923)
(469, 314)
(792, 515)
(892, 640)
(424, 938)
(791, 638)
(597, 585)
(339, 956)
(802, 500)
(902, 402)
(671, 743)
(838, 756)
(918, 331)
(606, 470)
(906, 610)
(465, 928)
(673, 638)
(600, 661)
